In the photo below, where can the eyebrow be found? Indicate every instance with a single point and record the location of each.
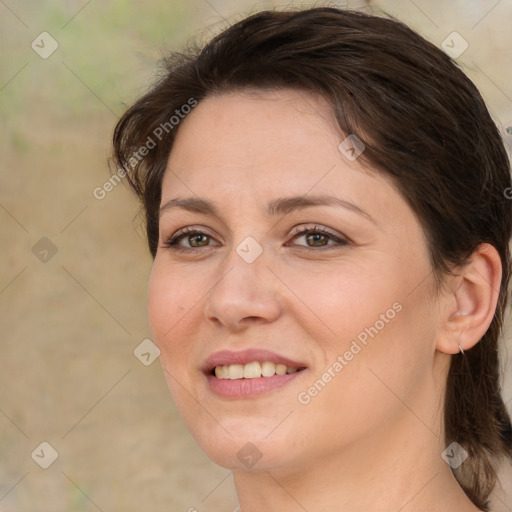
(281, 206)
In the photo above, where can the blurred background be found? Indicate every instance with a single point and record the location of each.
(74, 268)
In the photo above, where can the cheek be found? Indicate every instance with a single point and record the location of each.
(172, 296)
(171, 300)
(370, 316)
(362, 385)
(339, 303)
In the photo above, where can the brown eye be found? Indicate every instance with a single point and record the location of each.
(190, 238)
(317, 239)
(198, 240)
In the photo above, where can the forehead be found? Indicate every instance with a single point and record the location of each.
(268, 143)
(235, 124)
(269, 132)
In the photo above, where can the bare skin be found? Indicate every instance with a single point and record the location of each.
(371, 438)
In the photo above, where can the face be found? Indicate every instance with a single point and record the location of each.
(291, 287)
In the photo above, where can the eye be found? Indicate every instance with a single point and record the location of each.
(189, 238)
(317, 236)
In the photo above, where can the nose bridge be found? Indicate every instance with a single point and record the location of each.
(244, 288)
(247, 261)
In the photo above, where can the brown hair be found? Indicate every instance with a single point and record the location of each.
(424, 124)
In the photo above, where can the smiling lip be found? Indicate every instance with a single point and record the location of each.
(247, 388)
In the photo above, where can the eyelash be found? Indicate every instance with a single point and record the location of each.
(296, 232)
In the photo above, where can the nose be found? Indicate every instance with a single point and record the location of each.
(244, 295)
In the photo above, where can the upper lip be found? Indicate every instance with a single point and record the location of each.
(227, 357)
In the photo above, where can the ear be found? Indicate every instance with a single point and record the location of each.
(468, 308)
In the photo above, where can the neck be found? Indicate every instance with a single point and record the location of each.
(398, 482)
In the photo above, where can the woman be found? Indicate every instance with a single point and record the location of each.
(324, 196)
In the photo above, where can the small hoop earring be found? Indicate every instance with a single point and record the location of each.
(461, 350)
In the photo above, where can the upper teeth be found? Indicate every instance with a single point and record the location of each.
(252, 370)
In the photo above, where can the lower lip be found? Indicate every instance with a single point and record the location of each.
(248, 388)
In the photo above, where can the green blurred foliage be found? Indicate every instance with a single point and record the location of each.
(110, 48)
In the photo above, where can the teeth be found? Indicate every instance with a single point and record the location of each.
(236, 371)
(268, 369)
(252, 370)
(280, 369)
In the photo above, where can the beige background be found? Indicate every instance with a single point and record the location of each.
(69, 325)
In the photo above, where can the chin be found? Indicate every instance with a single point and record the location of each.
(249, 447)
